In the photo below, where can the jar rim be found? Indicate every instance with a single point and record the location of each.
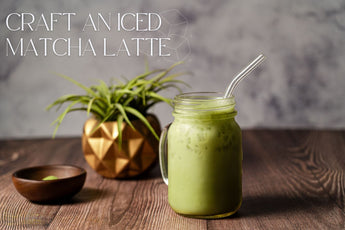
(204, 102)
(196, 96)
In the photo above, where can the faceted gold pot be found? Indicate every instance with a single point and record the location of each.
(138, 152)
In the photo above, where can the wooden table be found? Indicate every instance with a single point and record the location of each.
(291, 180)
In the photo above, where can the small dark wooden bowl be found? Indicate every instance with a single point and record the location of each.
(29, 183)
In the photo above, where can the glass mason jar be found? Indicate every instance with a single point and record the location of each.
(201, 156)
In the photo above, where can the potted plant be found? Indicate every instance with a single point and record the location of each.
(121, 138)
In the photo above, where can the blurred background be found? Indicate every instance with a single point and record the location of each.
(300, 85)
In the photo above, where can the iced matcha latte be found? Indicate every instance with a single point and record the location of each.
(204, 156)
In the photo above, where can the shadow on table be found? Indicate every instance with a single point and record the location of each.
(84, 196)
(90, 194)
(152, 172)
(277, 204)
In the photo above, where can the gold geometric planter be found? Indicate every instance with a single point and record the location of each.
(139, 148)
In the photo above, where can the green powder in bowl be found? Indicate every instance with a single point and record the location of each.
(50, 178)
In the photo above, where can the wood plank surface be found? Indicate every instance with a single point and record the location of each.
(292, 179)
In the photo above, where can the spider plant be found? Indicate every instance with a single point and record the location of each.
(122, 102)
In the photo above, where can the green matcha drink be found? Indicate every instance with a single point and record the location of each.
(204, 156)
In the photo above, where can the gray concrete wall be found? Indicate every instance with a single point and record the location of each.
(301, 84)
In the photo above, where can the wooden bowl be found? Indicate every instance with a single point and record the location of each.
(29, 183)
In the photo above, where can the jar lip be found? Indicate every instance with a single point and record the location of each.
(203, 102)
(201, 96)
(197, 98)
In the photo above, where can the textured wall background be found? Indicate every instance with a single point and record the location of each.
(301, 84)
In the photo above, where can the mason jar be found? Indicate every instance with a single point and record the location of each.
(201, 156)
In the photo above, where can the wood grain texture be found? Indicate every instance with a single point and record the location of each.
(292, 179)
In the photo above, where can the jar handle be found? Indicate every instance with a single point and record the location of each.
(163, 153)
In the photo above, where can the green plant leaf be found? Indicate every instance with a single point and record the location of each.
(97, 115)
(100, 123)
(165, 72)
(89, 106)
(171, 78)
(88, 90)
(132, 82)
(119, 129)
(123, 113)
(159, 97)
(61, 100)
(62, 116)
(124, 101)
(143, 119)
(167, 86)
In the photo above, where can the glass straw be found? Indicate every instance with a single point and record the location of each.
(240, 76)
